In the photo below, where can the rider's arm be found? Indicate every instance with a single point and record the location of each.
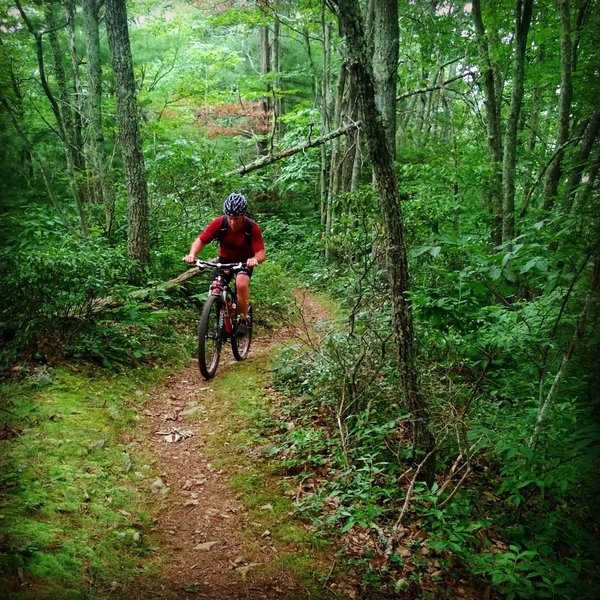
(197, 245)
(259, 257)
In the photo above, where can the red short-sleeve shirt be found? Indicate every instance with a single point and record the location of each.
(234, 246)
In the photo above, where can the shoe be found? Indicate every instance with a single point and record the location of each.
(242, 327)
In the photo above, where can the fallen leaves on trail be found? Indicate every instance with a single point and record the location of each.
(175, 435)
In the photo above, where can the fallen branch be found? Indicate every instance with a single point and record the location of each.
(112, 302)
(263, 161)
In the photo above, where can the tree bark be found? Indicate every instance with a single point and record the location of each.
(138, 232)
(78, 95)
(396, 258)
(335, 167)
(385, 64)
(523, 11)
(275, 65)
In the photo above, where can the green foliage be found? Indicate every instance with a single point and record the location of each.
(271, 294)
(49, 304)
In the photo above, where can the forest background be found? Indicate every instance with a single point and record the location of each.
(431, 165)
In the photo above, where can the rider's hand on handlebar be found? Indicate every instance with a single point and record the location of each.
(190, 259)
(251, 262)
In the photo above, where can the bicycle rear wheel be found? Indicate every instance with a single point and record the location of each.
(210, 337)
(240, 344)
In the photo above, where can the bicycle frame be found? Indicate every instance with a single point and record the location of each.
(220, 287)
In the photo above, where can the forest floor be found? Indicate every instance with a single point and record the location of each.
(224, 531)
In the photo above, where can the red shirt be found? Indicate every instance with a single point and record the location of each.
(234, 246)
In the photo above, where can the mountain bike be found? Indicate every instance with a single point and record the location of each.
(219, 319)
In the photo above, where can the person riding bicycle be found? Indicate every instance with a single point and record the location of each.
(240, 240)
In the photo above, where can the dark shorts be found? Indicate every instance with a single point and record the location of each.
(227, 274)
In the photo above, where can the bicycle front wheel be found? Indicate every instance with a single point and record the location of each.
(210, 337)
(240, 344)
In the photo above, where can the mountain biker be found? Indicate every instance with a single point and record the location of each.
(240, 240)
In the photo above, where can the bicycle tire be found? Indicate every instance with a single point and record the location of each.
(240, 346)
(210, 337)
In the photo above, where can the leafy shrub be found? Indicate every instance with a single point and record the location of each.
(271, 294)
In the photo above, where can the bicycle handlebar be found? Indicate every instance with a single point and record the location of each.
(203, 264)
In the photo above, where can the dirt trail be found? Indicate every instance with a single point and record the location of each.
(201, 525)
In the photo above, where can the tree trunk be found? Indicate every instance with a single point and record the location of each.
(138, 233)
(275, 62)
(389, 198)
(523, 10)
(564, 108)
(78, 112)
(65, 100)
(493, 98)
(265, 69)
(100, 185)
(324, 109)
(385, 64)
(336, 158)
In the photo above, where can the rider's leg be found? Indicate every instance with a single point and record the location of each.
(242, 283)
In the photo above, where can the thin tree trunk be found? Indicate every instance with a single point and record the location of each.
(275, 62)
(78, 96)
(324, 109)
(65, 100)
(101, 187)
(564, 108)
(336, 158)
(396, 258)
(138, 232)
(493, 98)
(523, 10)
(265, 69)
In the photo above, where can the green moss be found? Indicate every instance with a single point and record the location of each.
(66, 489)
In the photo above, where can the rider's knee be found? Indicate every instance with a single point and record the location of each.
(243, 285)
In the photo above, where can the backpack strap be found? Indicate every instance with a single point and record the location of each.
(223, 228)
(247, 231)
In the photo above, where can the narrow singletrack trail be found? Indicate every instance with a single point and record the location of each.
(209, 544)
